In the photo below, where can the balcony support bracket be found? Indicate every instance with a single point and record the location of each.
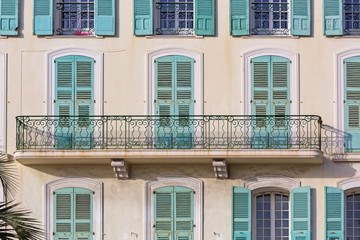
(220, 168)
(121, 168)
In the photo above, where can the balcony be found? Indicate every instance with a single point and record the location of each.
(176, 139)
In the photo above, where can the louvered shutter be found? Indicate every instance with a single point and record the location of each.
(333, 17)
(205, 17)
(334, 213)
(184, 213)
(43, 17)
(63, 214)
(300, 17)
(241, 213)
(9, 17)
(239, 17)
(105, 17)
(352, 102)
(163, 213)
(300, 213)
(143, 17)
(83, 214)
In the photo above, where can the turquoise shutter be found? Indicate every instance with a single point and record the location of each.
(184, 213)
(334, 213)
(163, 213)
(352, 102)
(43, 17)
(63, 214)
(333, 17)
(241, 213)
(105, 17)
(83, 214)
(239, 17)
(143, 17)
(300, 213)
(300, 17)
(9, 13)
(205, 17)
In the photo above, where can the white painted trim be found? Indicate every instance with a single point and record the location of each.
(93, 185)
(3, 101)
(271, 181)
(98, 76)
(198, 77)
(294, 77)
(349, 183)
(167, 181)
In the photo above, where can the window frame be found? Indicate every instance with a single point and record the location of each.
(3, 101)
(344, 22)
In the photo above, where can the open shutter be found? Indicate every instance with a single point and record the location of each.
(334, 213)
(143, 17)
(9, 13)
(43, 17)
(63, 214)
(239, 17)
(105, 17)
(333, 17)
(241, 213)
(205, 17)
(352, 102)
(83, 212)
(184, 213)
(300, 17)
(163, 213)
(300, 213)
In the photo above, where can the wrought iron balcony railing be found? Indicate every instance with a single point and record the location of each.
(168, 132)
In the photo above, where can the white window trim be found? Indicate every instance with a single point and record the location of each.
(93, 185)
(349, 183)
(3, 101)
(198, 77)
(98, 76)
(294, 77)
(167, 181)
(271, 181)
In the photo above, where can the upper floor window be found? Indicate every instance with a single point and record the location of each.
(174, 17)
(9, 17)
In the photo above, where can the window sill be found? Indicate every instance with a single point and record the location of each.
(73, 36)
(270, 36)
(346, 36)
(3, 37)
(174, 36)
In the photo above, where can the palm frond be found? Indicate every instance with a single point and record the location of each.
(8, 175)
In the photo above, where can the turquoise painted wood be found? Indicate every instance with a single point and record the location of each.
(301, 213)
(334, 213)
(333, 17)
(300, 17)
(183, 213)
(105, 17)
(9, 17)
(64, 214)
(352, 104)
(239, 17)
(205, 17)
(241, 213)
(83, 214)
(143, 17)
(43, 17)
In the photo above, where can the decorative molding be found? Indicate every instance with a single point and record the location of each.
(294, 77)
(3, 101)
(182, 181)
(349, 183)
(220, 169)
(98, 75)
(91, 184)
(121, 168)
(198, 76)
(270, 181)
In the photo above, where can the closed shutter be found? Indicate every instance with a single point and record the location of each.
(334, 213)
(9, 13)
(163, 213)
(333, 17)
(105, 17)
(184, 213)
(43, 17)
(63, 214)
(241, 213)
(300, 17)
(143, 17)
(239, 17)
(83, 212)
(352, 103)
(205, 17)
(300, 213)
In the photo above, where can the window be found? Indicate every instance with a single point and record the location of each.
(174, 17)
(74, 17)
(270, 17)
(9, 17)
